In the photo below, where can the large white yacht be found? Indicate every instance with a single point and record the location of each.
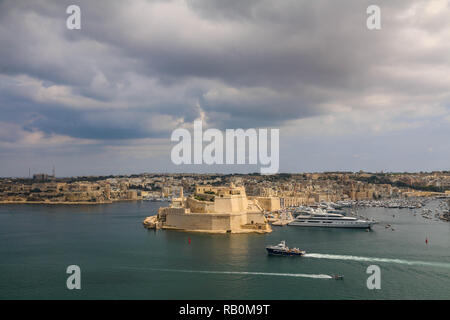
(319, 218)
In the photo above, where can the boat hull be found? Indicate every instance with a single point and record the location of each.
(352, 225)
(277, 252)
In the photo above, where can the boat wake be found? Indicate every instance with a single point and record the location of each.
(298, 275)
(373, 259)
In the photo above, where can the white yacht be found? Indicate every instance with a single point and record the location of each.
(330, 220)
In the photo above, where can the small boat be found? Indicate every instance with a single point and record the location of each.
(337, 277)
(282, 249)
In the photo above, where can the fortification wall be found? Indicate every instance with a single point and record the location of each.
(200, 206)
(256, 217)
(198, 221)
(233, 204)
(269, 203)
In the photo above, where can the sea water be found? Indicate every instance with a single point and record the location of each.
(120, 259)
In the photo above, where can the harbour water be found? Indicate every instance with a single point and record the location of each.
(119, 259)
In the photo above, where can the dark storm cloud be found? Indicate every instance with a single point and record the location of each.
(259, 51)
(139, 69)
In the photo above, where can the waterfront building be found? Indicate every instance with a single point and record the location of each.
(268, 203)
(214, 209)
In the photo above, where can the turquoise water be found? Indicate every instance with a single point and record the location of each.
(119, 259)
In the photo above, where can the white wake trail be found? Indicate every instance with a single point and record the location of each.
(298, 275)
(373, 259)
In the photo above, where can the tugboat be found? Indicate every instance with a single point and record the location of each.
(282, 250)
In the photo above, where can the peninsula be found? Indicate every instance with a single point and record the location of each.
(222, 209)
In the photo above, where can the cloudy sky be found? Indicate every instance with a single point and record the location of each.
(105, 99)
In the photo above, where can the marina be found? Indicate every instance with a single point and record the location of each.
(346, 209)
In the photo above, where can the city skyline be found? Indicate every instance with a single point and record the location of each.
(51, 175)
(105, 99)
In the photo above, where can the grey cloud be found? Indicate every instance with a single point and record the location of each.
(137, 69)
(277, 46)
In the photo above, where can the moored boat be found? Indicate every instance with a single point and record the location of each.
(333, 220)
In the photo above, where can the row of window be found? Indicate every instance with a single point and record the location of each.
(315, 221)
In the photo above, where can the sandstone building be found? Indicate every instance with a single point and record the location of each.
(213, 209)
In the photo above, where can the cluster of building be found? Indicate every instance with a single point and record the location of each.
(272, 192)
(309, 189)
(60, 191)
(313, 189)
(437, 181)
(212, 209)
